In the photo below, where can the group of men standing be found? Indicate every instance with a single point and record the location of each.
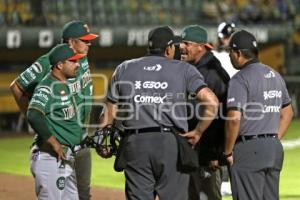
(233, 120)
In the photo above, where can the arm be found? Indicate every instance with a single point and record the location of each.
(20, 96)
(108, 114)
(210, 102)
(286, 116)
(37, 121)
(232, 127)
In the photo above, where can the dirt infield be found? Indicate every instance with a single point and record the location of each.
(14, 187)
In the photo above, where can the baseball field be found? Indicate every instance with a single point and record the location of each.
(16, 181)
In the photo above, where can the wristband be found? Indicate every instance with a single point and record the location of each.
(227, 155)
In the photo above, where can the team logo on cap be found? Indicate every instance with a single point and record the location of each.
(87, 28)
(254, 43)
(150, 44)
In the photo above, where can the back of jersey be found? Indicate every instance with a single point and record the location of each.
(152, 91)
(261, 93)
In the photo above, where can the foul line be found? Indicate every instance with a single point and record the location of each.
(291, 144)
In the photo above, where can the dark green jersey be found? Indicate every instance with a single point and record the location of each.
(55, 100)
(29, 79)
(81, 86)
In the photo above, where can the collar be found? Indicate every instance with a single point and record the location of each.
(249, 62)
(204, 59)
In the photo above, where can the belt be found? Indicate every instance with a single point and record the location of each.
(243, 138)
(148, 130)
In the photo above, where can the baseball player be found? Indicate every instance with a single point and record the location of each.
(152, 92)
(259, 113)
(225, 30)
(52, 114)
(77, 35)
(195, 50)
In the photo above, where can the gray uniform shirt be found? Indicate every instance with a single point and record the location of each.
(260, 93)
(152, 91)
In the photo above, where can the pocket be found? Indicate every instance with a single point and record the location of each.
(188, 160)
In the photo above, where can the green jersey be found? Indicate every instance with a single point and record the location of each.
(55, 100)
(81, 86)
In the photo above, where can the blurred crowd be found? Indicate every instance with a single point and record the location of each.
(147, 12)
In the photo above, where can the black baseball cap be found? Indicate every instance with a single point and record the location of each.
(242, 40)
(161, 37)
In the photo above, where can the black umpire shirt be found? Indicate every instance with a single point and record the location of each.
(210, 147)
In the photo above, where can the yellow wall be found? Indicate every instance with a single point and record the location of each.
(273, 55)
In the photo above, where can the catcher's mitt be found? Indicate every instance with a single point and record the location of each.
(106, 141)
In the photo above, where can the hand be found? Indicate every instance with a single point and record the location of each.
(57, 147)
(214, 165)
(193, 137)
(230, 160)
(59, 151)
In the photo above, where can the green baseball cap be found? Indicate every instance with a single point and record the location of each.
(63, 52)
(77, 29)
(195, 33)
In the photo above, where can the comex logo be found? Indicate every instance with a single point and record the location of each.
(149, 99)
(156, 67)
(271, 74)
(150, 85)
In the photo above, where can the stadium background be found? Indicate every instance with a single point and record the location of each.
(29, 28)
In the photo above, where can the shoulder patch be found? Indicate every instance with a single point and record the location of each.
(37, 67)
(45, 89)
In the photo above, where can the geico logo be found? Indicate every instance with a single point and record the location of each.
(148, 99)
(155, 85)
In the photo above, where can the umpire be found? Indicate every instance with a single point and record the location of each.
(259, 113)
(151, 91)
(196, 51)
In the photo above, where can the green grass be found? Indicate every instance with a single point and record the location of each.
(14, 159)
(14, 154)
(293, 131)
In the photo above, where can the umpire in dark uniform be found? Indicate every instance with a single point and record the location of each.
(151, 92)
(196, 51)
(259, 113)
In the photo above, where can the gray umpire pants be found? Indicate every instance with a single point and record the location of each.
(83, 166)
(151, 168)
(256, 168)
(54, 180)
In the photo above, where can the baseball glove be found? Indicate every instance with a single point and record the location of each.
(106, 141)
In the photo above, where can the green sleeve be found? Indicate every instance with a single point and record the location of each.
(38, 122)
(30, 78)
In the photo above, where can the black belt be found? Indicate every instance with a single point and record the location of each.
(148, 130)
(243, 138)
